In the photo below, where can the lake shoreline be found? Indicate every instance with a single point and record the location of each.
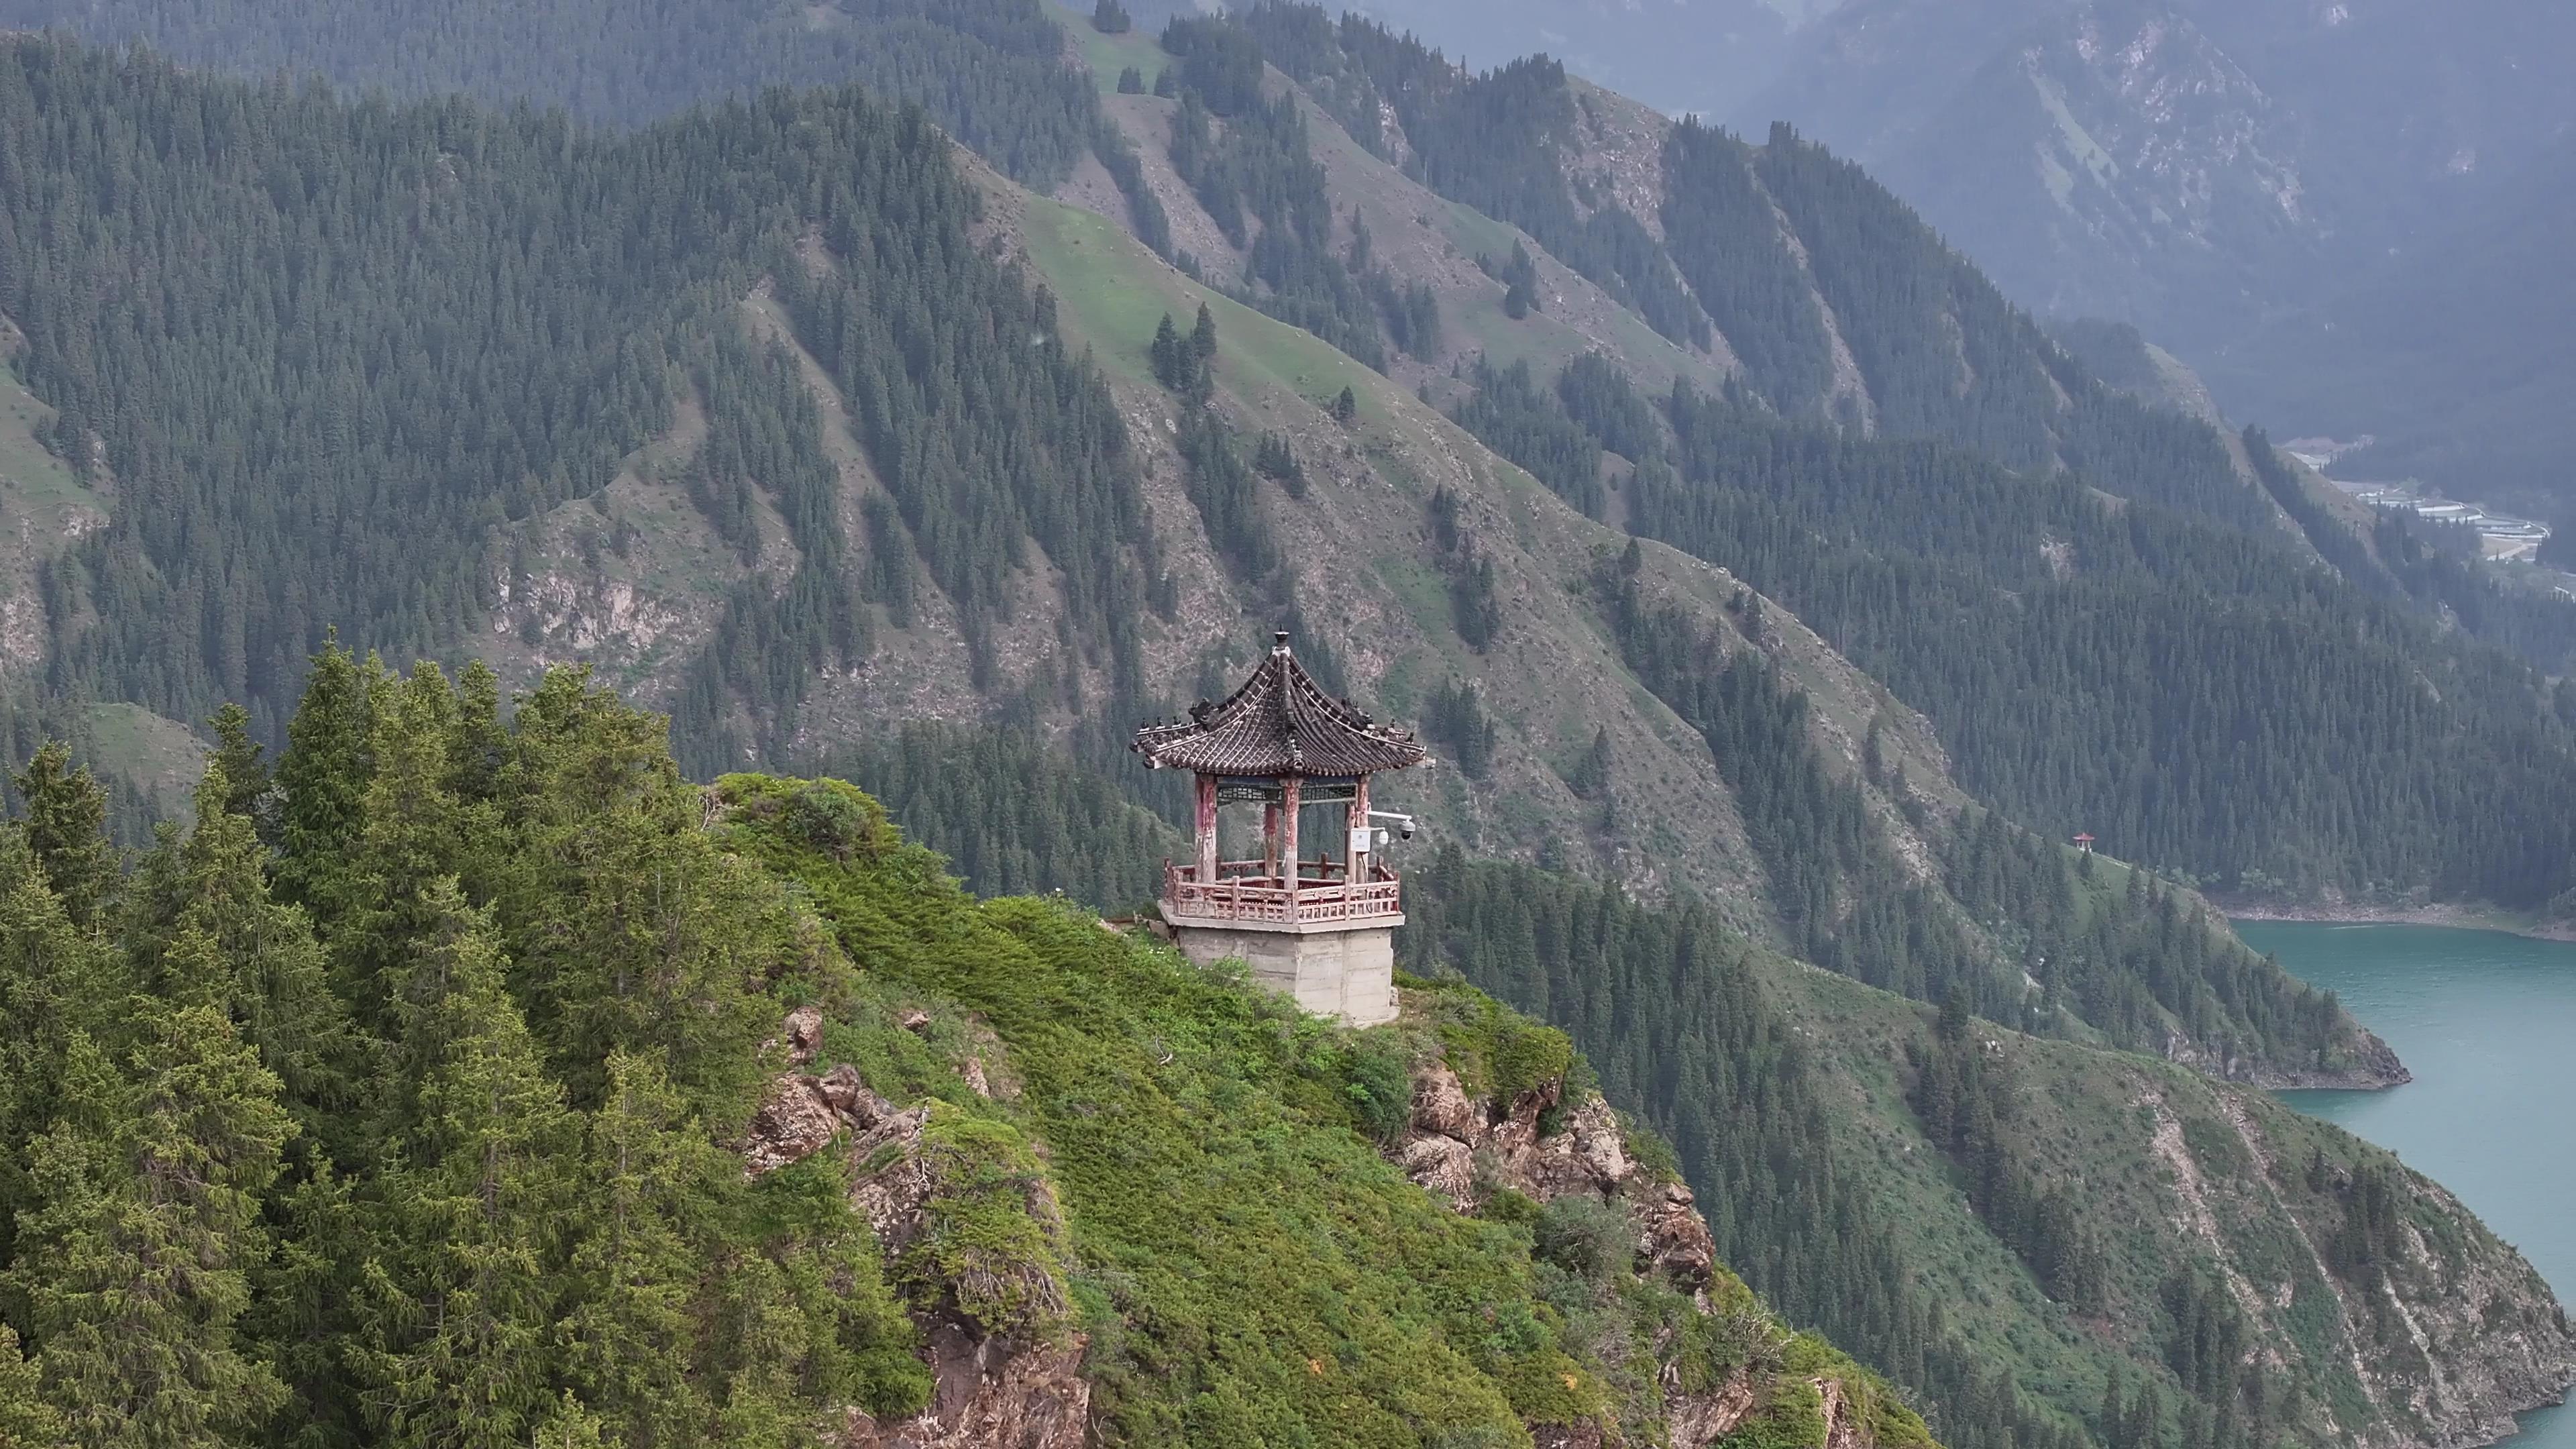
(2345, 913)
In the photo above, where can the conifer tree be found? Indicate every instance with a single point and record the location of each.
(1346, 408)
(26, 1420)
(239, 758)
(480, 746)
(56, 983)
(569, 1425)
(67, 829)
(133, 1261)
(649, 1178)
(1203, 335)
(456, 1345)
(324, 774)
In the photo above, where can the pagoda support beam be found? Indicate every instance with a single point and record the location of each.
(1288, 826)
(1207, 829)
(1354, 860)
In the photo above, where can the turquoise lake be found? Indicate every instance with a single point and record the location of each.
(2487, 1022)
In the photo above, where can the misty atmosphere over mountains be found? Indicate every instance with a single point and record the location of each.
(1779, 570)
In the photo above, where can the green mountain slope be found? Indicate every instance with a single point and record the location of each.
(2053, 1243)
(831, 504)
(1830, 299)
(833, 1150)
(806, 424)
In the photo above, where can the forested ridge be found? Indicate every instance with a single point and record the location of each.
(2201, 699)
(440, 1086)
(473, 317)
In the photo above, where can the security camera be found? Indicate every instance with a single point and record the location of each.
(1404, 824)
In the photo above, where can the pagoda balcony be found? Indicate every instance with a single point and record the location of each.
(1254, 894)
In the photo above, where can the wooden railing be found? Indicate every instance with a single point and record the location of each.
(1246, 890)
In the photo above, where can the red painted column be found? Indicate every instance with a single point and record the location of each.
(1288, 839)
(1270, 838)
(1353, 866)
(1207, 830)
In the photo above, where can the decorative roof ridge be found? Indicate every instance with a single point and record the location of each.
(1279, 721)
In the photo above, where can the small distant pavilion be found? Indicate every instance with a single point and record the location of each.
(2084, 843)
(1322, 926)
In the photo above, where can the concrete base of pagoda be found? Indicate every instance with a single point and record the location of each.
(1341, 971)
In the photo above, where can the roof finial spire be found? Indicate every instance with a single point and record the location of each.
(1279, 642)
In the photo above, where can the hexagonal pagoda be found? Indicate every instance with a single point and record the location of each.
(1322, 930)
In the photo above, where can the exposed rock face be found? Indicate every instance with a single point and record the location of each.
(2372, 1064)
(1459, 1148)
(794, 1122)
(990, 1391)
(990, 1394)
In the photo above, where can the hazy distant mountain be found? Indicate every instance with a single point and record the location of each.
(2453, 356)
(2335, 207)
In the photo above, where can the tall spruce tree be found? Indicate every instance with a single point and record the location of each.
(67, 829)
(650, 1178)
(133, 1261)
(456, 1345)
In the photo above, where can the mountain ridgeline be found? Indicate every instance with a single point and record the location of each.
(1755, 569)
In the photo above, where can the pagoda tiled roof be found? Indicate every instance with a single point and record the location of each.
(1279, 723)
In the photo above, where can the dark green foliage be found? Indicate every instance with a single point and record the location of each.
(1510, 413)
(1118, 154)
(1411, 314)
(1277, 461)
(66, 825)
(1178, 364)
(1346, 406)
(1492, 141)
(992, 71)
(1475, 604)
(2070, 653)
(1013, 817)
(1454, 719)
(406, 1182)
(1111, 18)
(1228, 497)
(1166, 83)
(1728, 244)
(2126, 967)
(1666, 1006)
(1519, 276)
(1966, 1095)
(1263, 167)
(2369, 1241)
(2206, 1339)
(1131, 82)
(1590, 777)
(1219, 61)
(200, 586)
(1598, 395)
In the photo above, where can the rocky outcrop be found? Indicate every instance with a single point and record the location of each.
(1462, 1148)
(2367, 1064)
(990, 1390)
(989, 1394)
